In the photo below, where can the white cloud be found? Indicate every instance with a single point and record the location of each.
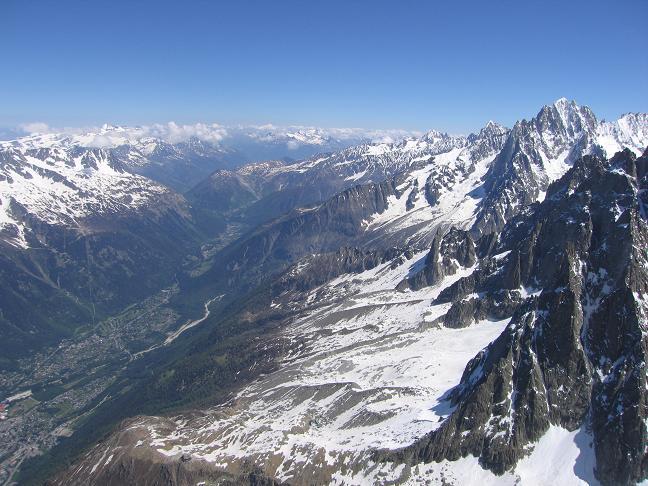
(100, 141)
(35, 127)
(172, 132)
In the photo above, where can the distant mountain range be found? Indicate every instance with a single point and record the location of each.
(435, 307)
(181, 155)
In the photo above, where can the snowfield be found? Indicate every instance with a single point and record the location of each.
(372, 375)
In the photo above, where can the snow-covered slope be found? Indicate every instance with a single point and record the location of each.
(63, 186)
(631, 131)
(362, 376)
(447, 191)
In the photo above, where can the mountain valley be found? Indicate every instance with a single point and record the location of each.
(427, 310)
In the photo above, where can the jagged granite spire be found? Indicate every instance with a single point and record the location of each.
(536, 152)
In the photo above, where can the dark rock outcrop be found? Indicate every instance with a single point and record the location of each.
(449, 252)
(321, 268)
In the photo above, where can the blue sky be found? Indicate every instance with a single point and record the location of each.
(451, 65)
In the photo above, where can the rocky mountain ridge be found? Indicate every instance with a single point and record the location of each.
(572, 274)
(540, 150)
(324, 175)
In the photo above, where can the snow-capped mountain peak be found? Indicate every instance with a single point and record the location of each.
(487, 141)
(565, 118)
(631, 130)
(492, 127)
(541, 150)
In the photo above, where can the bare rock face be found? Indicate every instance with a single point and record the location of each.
(575, 271)
(449, 252)
(320, 268)
(322, 228)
